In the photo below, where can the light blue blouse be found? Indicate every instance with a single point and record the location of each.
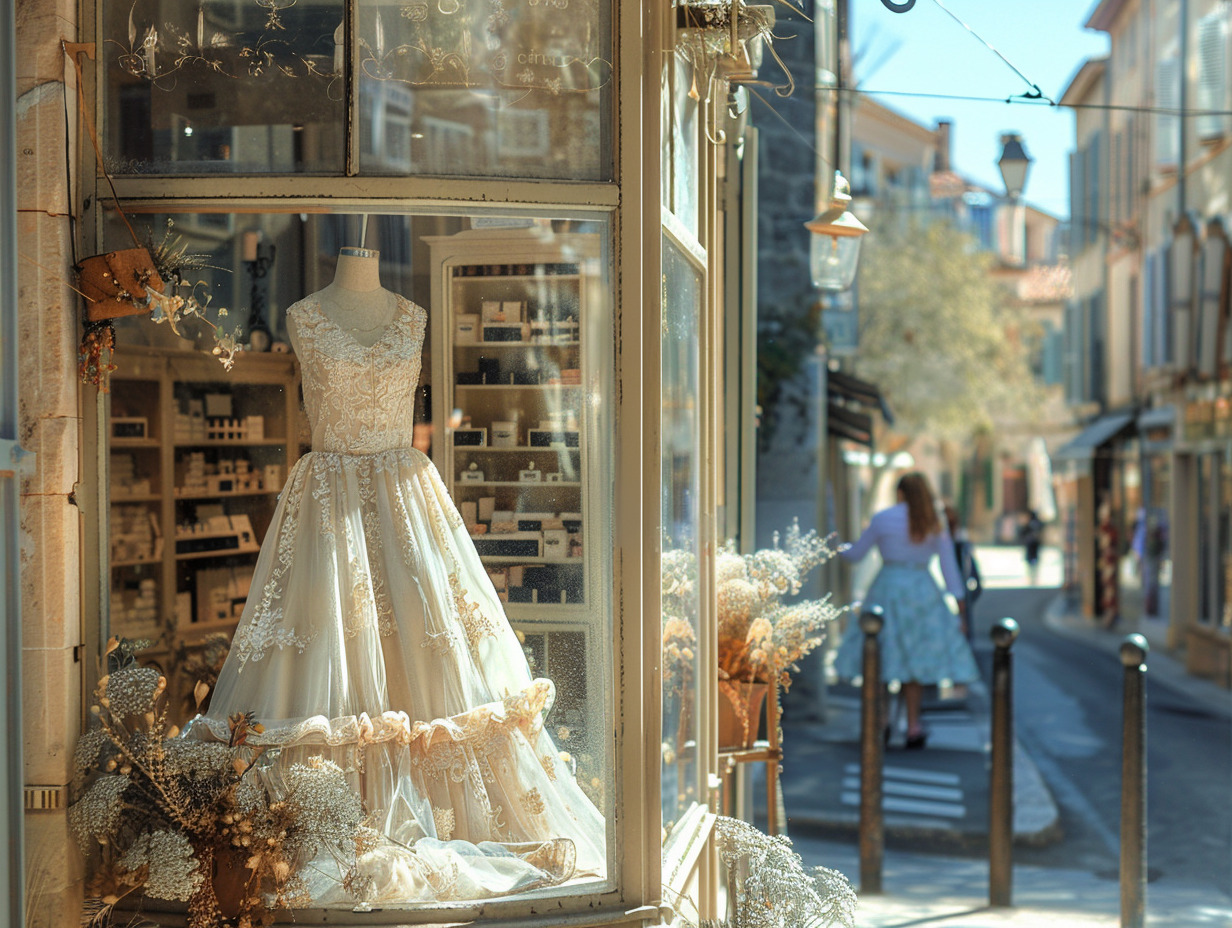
(888, 531)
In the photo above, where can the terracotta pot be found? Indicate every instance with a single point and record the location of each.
(740, 706)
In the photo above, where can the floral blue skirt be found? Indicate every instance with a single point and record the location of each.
(921, 641)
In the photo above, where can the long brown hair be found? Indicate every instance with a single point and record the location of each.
(922, 518)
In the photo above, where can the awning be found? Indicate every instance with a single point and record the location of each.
(853, 389)
(1159, 417)
(843, 392)
(1084, 446)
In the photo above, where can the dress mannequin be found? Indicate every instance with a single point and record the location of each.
(355, 301)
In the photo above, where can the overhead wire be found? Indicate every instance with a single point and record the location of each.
(1020, 100)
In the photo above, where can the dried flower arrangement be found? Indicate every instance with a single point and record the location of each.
(768, 886)
(150, 279)
(171, 817)
(761, 638)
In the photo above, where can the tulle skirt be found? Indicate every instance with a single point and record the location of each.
(373, 637)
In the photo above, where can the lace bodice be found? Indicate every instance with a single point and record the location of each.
(360, 400)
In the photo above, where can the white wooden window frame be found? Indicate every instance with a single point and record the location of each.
(640, 44)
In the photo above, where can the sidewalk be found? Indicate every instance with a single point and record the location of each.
(938, 795)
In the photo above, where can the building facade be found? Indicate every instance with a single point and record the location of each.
(549, 187)
(1146, 336)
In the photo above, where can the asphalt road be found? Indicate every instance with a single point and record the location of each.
(1067, 701)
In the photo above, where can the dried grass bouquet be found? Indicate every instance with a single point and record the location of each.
(177, 819)
(761, 637)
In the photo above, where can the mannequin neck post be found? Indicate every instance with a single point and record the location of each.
(358, 269)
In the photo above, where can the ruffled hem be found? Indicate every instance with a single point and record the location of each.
(524, 710)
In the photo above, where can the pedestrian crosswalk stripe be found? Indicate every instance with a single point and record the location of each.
(915, 790)
(939, 777)
(912, 806)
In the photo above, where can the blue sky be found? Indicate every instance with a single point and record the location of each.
(925, 51)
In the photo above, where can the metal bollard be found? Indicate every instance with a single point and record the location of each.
(1134, 650)
(1001, 778)
(872, 817)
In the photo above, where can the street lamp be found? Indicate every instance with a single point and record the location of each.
(1014, 164)
(835, 248)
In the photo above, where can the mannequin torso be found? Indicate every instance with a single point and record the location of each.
(355, 301)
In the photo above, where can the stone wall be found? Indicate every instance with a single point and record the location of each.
(787, 177)
(51, 427)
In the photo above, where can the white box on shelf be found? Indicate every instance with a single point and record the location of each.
(504, 434)
(487, 506)
(491, 311)
(530, 475)
(466, 328)
(555, 542)
(471, 475)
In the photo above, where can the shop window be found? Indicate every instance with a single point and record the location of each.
(456, 87)
(680, 432)
(204, 464)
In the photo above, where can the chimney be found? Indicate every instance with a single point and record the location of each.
(941, 161)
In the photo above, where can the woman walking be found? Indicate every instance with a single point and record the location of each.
(922, 640)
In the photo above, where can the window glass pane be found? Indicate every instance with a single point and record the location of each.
(681, 440)
(259, 515)
(220, 86)
(486, 88)
(680, 161)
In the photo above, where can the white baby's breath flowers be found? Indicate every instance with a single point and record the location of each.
(132, 691)
(96, 814)
(174, 872)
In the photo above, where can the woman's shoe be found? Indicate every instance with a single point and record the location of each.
(916, 741)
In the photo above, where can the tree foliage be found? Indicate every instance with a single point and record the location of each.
(938, 334)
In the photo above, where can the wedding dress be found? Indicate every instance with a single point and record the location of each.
(373, 636)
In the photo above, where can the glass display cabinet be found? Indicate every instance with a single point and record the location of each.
(516, 322)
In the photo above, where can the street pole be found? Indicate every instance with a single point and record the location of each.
(1001, 779)
(872, 816)
(1134, 650)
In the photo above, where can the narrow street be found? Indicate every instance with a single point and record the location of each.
(1068, 717)
(1067, 701)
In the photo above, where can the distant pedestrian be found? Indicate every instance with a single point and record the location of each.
(921, 641)
(968, 569)
(1031, 534)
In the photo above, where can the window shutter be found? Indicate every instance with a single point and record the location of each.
(1167, 97)
(1054, 345)
(1094, 189)
(1212, 87)
(1159, 299)
(1211, 283)
(1070, 335)
(1075, 203)
(1117, 194)
(1148, 312)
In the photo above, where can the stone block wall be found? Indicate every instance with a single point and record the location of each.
(50, 423)
(786, 179)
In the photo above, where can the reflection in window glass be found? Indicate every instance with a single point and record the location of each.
(486, 88)
(220, 86)
(455, 87)
(260, 513)
(681, 439)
